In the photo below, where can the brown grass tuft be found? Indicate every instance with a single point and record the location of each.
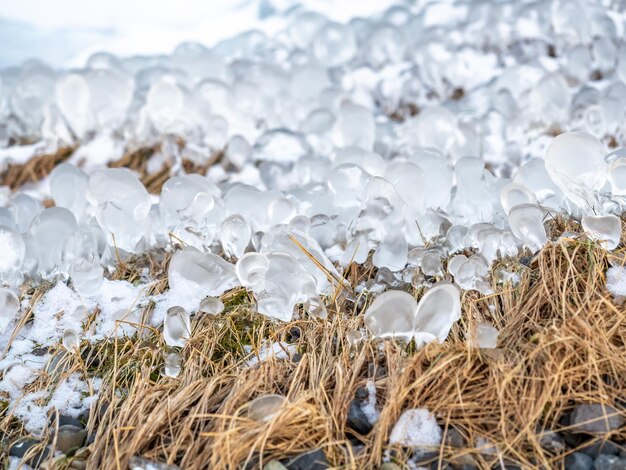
(561, 343)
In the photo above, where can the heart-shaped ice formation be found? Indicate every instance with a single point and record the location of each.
(606, 228)
(396, 314)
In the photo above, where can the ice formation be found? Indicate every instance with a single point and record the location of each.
(425, 145)
(397, 314)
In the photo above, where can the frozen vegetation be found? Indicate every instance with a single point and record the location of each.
(428, 142)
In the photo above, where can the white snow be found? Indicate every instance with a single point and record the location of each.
(416, 428)
(616, 281)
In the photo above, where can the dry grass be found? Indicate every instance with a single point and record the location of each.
(561, 342)
(37, 168)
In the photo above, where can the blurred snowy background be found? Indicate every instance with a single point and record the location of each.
(65, 32)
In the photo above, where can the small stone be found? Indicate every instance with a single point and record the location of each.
(454, 438)
(361, 393)
(552, 442)
(274, 465)
(389, 466)
(357, 419)
(609, 462)
(78, 464)
(22, 446)
(597, 448)
(578, 461)
(595, 419)
(70, 437)
(314, 460)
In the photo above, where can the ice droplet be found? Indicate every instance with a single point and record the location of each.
(526, 221)
(172, 365)
(485, 336)
(9, 306)
(12, 250)
(605, 228)
(176, 327)
(209, 272)
(397, 314)
(251, 269)
(71, 340)
(265, 407)
(575, 162)
(211, 306)
(235, 235)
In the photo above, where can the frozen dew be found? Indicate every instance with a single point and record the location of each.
(526, 221)
(122, 203)
(334, 45)
(235, 235)
(68, 186)
(617, 176)
(575, 162)
(211, 306)
(87, 276)
(51, 232)
(71, 340)
(12, 251)
(205, 271)
(485, 336)
(397, 314)
(605, 228)
(251, 271)
(515, 194)
(172, 365)
(9, 306)
(265, 407)
(176, 327)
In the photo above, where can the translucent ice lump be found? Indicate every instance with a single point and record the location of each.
(397, 314)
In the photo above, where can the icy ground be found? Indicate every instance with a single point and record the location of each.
(433, 135)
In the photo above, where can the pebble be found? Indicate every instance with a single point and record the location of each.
(357, 419)
(578, 461)
(70, 437)
(595, 419)
(609, 462)
(314, 460)
(389, 466)
(597, 448)
(20, 447)
(552, 442)
(274, 465)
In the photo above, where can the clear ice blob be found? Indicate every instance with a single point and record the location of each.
(605, 228)
(176, 327)
(235, 234)
(514, 194)
(211, 306)
(12, 251)
(526, 222)
(265, 407)
(617, 176)
(575, 162)
(251, 269)
(68, 187)
(71, 339)
(334, 45)
(172, 365)
(9, 306)
(397, 314)
(485, 336)
(192, 269)
(52, 231)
